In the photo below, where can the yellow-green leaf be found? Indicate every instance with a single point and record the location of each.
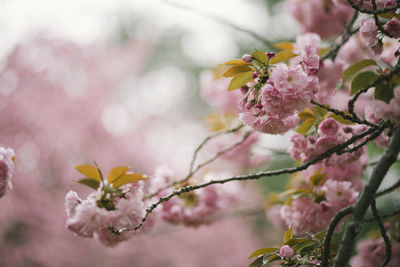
(116, 172)
(89, 182)
(323, 51)
(90, 171)
(235, 70)
(362, 80)
(306, 114)
(387, 15)
(262, 251)
(317, 178)
(320, 111)
(260, 56)
(288, 234)
(282, 56)
(240, 80)
(284, 46)
(271, 258)
(305, 126)
(257, 263)
(235, 62)
(340, 119)
(128, 178)
(356, 67)
(219, 70)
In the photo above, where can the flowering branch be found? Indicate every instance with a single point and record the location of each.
(256, 176)
(365, 200)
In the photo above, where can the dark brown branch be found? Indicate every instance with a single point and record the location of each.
(331, 230)
(365, 199)
(256, 176)
(388, 246)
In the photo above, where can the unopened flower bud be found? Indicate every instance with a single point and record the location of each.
(247, 58)
(286, 252)
(390, 3)
(270, 54)
(244, 89)
(393, 27)
(255, 74)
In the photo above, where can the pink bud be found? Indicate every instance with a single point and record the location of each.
(247, 58)
(255, 74)
(270, 54)
(389, 3)
(286, 252)
(244, 89)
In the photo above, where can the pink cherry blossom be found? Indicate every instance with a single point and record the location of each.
(6, 169)
(286, 251)
(393, 27)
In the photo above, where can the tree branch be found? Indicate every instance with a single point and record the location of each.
(256, 176)
(365, 199)
(383, 233)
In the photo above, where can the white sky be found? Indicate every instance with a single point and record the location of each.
(89, 20)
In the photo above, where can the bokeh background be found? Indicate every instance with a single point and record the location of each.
(118, 82)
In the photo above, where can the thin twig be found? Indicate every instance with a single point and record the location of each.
(344, 115)
(388, 190)
(193, 172)
(255, 176)
(374, 11)
(256, 36)
(331, 230)
(380, 79)
(383, 233)
(385, 216)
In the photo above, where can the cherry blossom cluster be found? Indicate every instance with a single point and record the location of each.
(6, 169)
(330, 134)
(272, 100)
(371, 252)
(194, 208)
(96, 215)
(327, 18)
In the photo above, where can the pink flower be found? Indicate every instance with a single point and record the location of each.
(6, 169)
(368, 31)
(339, 194)
(328, 127)
(393, 27)
(286, 252)
(86, 219)
(299, 144)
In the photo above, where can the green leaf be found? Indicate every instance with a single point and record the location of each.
(257, 263)
(235, 62)
(284, 46)
(356, 67)
(90, 171)
(362, 80)
(282, 56)
(128, 178)
(235, 70)
(116, 173)
(270, 258)
(262, 251)
(240, 80)
(306, 114)
(295, 241)
(288, 234)
(89, 182)
(320, 111)
(305, 126)
(259, 56)
(340, 119)
(317, 178)
(383, 91)
(307, 244)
